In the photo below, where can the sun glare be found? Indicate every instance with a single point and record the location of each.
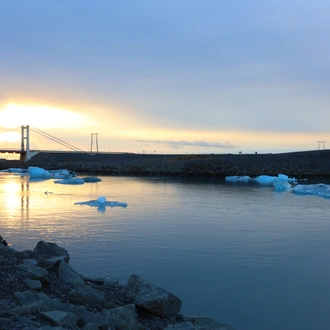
(10, 136)
(15, 115)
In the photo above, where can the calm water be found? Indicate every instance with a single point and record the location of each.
(242, 254)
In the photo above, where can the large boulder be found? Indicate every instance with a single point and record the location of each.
(69, 276)
(154, 299)
(46, 250)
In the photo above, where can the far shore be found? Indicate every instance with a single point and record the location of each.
(302, 164)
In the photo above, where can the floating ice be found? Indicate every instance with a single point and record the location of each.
(320, 190)
(267, 179)
(235, 178)
(16, 170)
(281, 186)
(101, 203)
(38, 173)
(91, 179)
(60, 174)
(70, 181)
(261, 179)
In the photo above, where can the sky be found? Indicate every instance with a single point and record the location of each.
(174, 76)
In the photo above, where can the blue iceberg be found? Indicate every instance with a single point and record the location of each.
(320, 190)
(101, 203)
(70, 181)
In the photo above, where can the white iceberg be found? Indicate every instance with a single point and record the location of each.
(70, 181)
(320, 190)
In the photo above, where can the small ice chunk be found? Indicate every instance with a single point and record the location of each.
(70, 181)
(91, 179)
(101, 203)
(266, 179)
(101, 200)
(60, 174)
(235, 178)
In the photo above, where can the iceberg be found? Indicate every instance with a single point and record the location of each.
(60, 174)
(320, 190)
(38, 173)
(235, 178)
(70, 181)
(281, 186)
(101, 203)
(267, 179)
(91, 179)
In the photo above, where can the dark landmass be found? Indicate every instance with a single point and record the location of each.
(303, 164)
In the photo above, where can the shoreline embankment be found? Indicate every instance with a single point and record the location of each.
(41, 291)
(303, 164)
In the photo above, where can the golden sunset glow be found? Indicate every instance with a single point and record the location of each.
(12, 196)
(10, 136)
(15, 115)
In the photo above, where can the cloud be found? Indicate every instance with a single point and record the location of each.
(183, 143)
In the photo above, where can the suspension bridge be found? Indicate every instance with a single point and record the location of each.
(23, 146)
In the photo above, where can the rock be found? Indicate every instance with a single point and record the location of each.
(33, 284)
(27, 322)
(85, 317)
(89, 326)
(155, 300)
(111, 281)
(28, 297)
(47, 250)
(121, 318)
(69, 276)
(43, 305)
(86, 296)
(51, 262)
(33, 272)
(61, 318)
(68, 301)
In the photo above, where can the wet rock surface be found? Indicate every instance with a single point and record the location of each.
(57, 297)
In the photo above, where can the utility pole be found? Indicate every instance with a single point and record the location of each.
(321, 143)
(95, 140)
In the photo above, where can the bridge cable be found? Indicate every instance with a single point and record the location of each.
(55, 139)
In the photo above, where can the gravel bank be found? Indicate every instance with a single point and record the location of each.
(305, 164)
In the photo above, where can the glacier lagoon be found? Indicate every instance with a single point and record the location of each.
(239, 252)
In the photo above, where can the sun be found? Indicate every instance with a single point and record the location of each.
(10, 136)
(15, 115)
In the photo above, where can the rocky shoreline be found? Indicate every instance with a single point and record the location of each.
(306, 164)
(40, 290)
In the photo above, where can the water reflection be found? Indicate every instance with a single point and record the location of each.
(15, 195)
(25, 199)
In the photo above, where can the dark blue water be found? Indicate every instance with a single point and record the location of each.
(242, 254)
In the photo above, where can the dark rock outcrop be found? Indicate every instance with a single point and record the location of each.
(40, 290)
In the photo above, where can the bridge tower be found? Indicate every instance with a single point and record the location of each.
(25, 143)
